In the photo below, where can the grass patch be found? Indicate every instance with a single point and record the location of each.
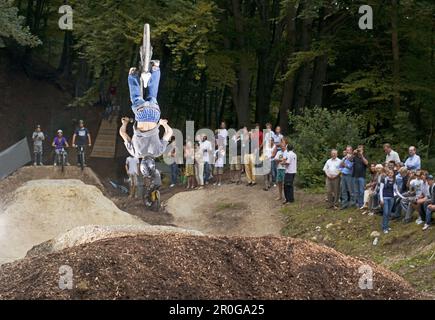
(406, 250)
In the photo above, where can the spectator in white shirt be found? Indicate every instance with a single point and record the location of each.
(222, 134)
(391, 155)
(206, 149)
(332, 172)
(290, 173)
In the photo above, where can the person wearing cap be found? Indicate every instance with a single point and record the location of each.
(80, 138)
(429, 206)
(38, 137)
(59, 143)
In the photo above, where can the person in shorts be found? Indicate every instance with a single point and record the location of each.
(132, 169)
(219, 164)
(189, 170)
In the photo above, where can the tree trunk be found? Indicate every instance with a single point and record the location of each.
(319, 77)
(395, 49)
(305, 74)
(240, 90)
(288, 86)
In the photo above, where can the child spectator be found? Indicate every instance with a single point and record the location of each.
(189, 168)
(219, 164)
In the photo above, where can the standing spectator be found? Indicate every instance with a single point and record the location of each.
(277, 137)
(267, 137)
(269, 151)
(359, 175)
(219, 164)
(37, 137)
(81, 138)
(250, 148)
(222, 134)
(236, 162)
(413, 162)
(390, 154)
(206, 149)
(199, 165)
(280, 160)
(173, 165)
(387, 191)
(189, 154)
(290, 173)
(132, 170)
(332, 172)
(430, 204)
(347, 181)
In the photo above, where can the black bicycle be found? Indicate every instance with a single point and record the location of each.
(61, 159)
(81, 156)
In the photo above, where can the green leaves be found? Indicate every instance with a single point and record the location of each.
(11, 25)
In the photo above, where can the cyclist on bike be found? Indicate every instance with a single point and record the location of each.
(80, 138)
(59, 143)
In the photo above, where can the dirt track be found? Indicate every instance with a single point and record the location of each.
(227, 210)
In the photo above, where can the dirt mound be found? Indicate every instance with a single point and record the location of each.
(175, 266)
(25, 174)
(88, 234)
(43, 209)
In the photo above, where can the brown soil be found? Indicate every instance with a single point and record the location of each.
(199, 267)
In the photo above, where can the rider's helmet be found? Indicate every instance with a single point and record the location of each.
(148, 170)
(59, 131)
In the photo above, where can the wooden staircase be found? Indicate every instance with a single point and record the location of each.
(105, 143)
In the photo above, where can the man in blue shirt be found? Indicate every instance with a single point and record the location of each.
(347, 180)
(413, 162)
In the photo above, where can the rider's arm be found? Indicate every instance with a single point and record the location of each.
(168, 130)
(66, 144)
(54, 144)
(89, 139)
(123, 130)
(74, 139)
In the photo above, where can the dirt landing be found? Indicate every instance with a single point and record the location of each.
(175, 266)
(43, 209)
(227, 210)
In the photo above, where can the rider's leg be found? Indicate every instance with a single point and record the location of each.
(135, 90)
(153, 84)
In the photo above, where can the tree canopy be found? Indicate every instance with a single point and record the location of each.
(248, 61)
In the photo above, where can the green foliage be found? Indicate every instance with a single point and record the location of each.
(318, 131)
(11, 25)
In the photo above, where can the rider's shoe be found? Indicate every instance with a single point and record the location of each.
(54, 164)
